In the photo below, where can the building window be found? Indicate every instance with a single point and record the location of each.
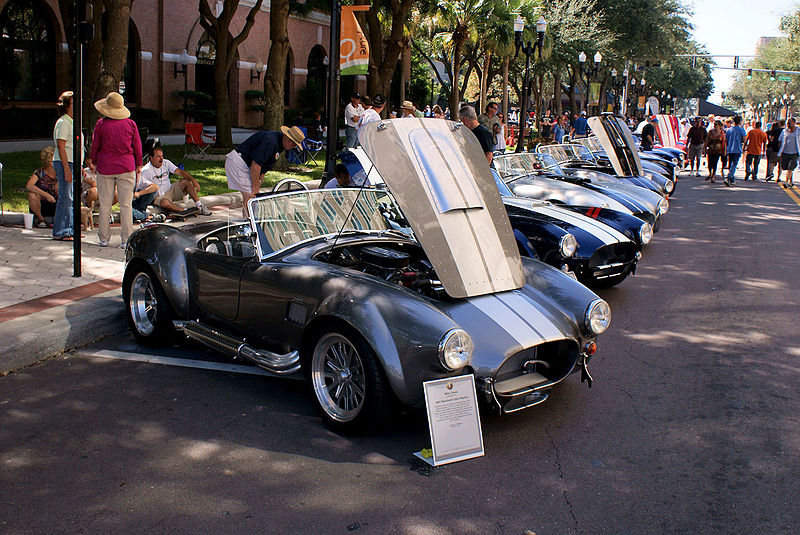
(27, 52)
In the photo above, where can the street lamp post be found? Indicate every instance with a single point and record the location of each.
(786, 100)
(528, 49)
(589, 72)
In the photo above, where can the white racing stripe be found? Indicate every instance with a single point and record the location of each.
(599, 229)
(532, 313)
(526, 324)
(174, 361)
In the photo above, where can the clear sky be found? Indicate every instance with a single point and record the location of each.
(733, 27)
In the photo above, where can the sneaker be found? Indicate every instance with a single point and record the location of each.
(41, 224)
(697, 173)
(102, 243)
(158, 218)
(203, 209)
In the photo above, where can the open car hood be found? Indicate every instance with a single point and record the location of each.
(618, 144)
(438, 173)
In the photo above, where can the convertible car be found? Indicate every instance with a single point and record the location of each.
(538, 176)
(319, 283)
(651, 163)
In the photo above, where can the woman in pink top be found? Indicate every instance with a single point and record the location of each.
(117, 158)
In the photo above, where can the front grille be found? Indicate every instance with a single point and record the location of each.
(611, 260)
(560, 356)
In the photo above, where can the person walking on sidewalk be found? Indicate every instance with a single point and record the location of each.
(790, 147)
(734, 138)
(754, 146)
(773, 146)
(695, 139)
(352, 114)
(62, 161)
(714, 149)
(117, 158)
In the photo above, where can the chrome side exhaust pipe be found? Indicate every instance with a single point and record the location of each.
(272, 362)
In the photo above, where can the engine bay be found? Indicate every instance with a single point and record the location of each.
(404, 264)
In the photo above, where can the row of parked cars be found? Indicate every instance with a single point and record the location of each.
(437, 265)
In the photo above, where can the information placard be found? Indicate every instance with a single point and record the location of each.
(453, 419)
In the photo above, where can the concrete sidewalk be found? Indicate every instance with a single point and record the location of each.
(44, 310)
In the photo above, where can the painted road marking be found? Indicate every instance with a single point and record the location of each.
(64, 297)
(185, 363)
(792, 195)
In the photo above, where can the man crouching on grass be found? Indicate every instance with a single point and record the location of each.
(154, 186)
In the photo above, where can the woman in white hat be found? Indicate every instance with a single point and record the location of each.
(117, 158)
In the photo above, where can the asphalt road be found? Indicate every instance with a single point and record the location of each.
(691, 426)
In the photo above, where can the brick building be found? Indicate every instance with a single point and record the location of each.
(33, 43)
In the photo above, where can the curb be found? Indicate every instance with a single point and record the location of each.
(38, 336)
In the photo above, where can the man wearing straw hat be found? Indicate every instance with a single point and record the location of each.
(245, 166)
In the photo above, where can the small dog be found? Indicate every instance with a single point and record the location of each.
(87, 218)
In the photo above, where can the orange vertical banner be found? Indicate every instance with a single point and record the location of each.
(353, 46)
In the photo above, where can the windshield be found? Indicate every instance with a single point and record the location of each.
(591, 143)
(526, 163)
(567, 153)
(281, 221)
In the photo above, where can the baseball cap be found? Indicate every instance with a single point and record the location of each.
(356, 94)
(583, 112)
(378, 100)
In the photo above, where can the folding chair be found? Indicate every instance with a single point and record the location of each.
(313, 148)
(298, 155)
(194, 140)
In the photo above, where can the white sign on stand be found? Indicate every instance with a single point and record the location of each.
(453, 420)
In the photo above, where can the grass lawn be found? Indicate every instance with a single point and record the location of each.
(19, 166)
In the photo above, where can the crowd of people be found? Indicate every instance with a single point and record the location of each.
(724, 143)
(114, 172)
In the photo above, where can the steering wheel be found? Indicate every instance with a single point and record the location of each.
(288, 184)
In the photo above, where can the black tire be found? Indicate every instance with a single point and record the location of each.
(348, 384)
(147, 308)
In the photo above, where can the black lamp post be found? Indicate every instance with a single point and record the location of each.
(589, 72)
(528, 48)
(786, 101)
(617, 84)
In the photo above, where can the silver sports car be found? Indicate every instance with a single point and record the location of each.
(318, 283)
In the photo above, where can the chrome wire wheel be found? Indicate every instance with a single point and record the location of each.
(143, 304)
(338, 378)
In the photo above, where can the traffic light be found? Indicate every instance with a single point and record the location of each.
(85, 26)
(749, 73)
(736, 62)
(772, 75)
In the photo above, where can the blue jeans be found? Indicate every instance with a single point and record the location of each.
(62, 221)
(139, 205)
(350, 138)
(733, 161)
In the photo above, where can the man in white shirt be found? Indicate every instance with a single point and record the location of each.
(374, 113)
(154, 184)
(352, 114)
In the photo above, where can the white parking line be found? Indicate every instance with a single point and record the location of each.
(173, 361)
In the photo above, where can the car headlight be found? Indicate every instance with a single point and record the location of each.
(669, 186)
(645, 233)
(568, 245)
(598, 316)
(455, 349)
(663, 206)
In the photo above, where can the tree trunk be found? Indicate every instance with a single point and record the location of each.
(573, 81)
(384, 51)
(485, 79)
(458, 44)
(557, 92)
(276, 64)
(218, 28)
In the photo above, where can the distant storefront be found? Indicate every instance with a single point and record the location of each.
(35, 66)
